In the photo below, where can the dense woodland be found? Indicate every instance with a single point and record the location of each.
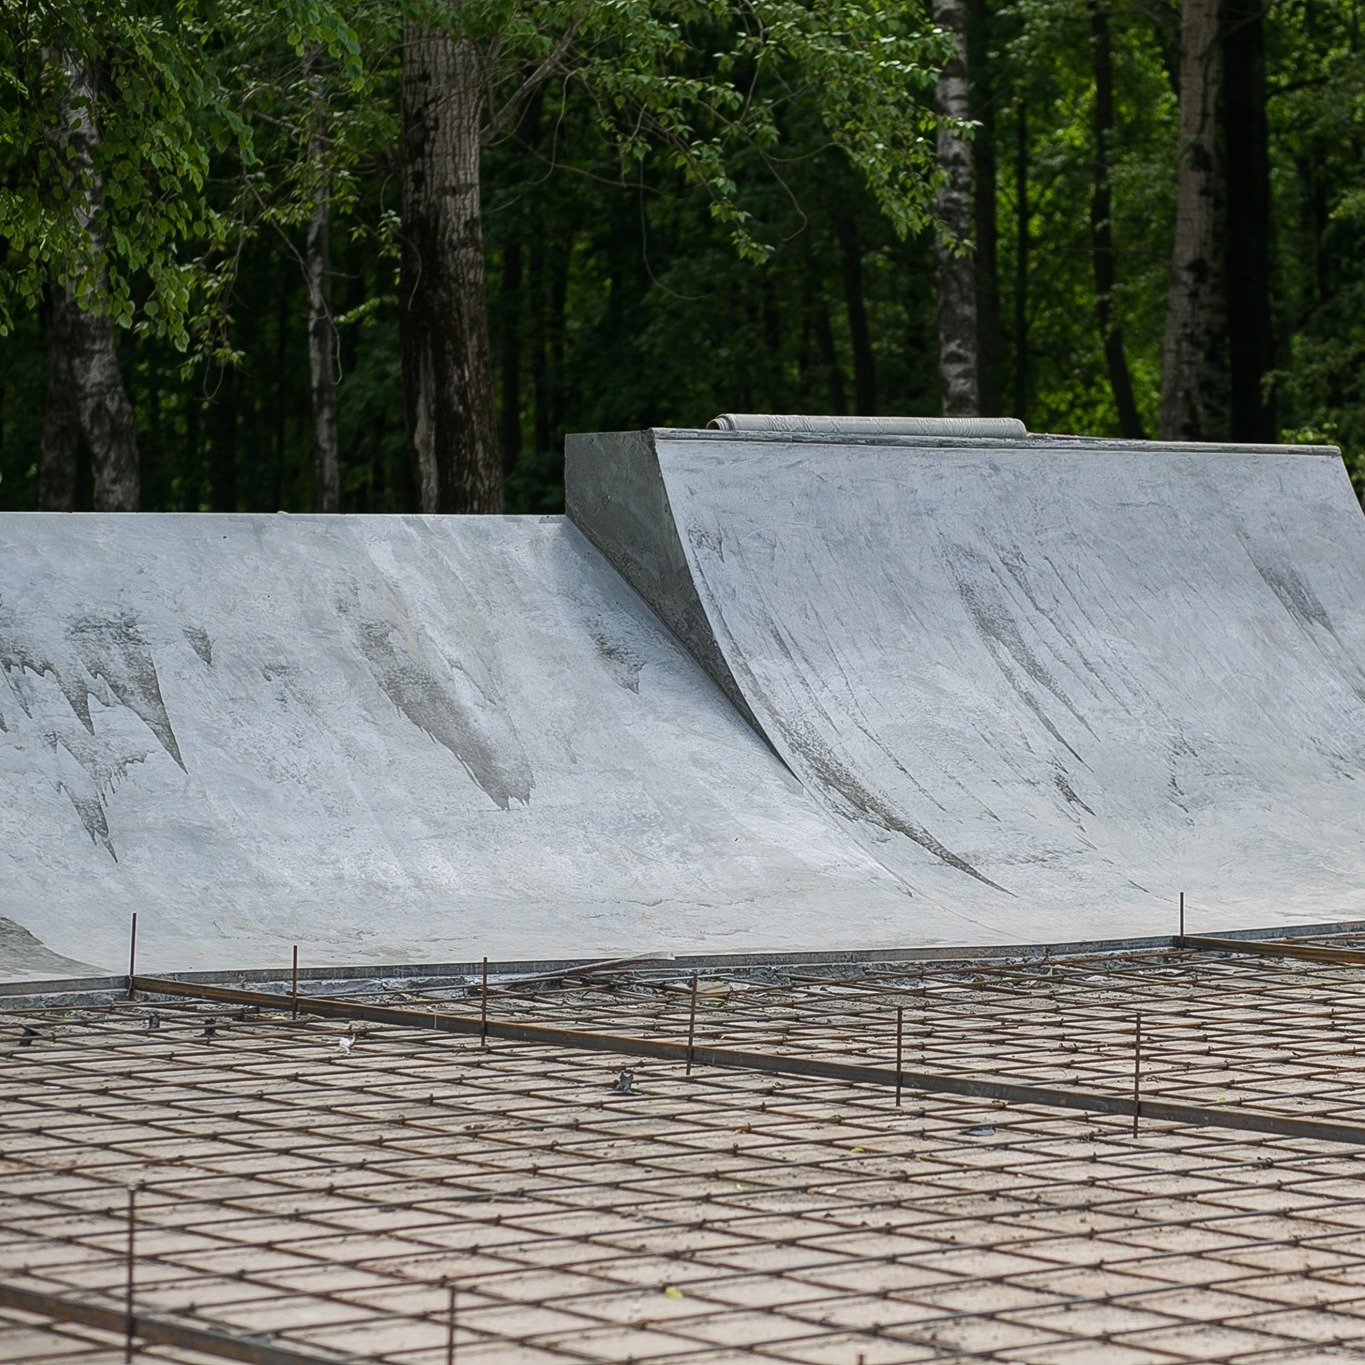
(375, 257)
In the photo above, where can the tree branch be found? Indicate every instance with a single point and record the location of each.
(510, 114)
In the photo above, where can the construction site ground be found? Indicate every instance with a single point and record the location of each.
(197, 1180)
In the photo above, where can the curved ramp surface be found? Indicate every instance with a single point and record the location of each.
(1049, 683)
(389, 740)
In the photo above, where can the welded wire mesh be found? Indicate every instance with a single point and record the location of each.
(316, 1195)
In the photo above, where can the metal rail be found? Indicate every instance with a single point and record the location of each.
(158, 1331)
(1304, 952)
(683, 1054)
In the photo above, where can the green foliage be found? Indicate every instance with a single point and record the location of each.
(1317, 113)
(177, 163)
(704, 83)
(676, 179)
(1045, 56)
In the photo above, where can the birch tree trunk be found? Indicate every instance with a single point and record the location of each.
(957, 334)
(87, 403)
(1192, 405)
(443, 320)
(321, 332)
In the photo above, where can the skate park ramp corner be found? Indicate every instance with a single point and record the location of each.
(881, 686)
(386, 740)
(1049, 683)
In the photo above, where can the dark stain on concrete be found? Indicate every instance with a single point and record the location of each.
(106, 647)
(834, 774)
(1295, 593)
(199, 641)
(496, 761)
(89, 805)
(703, 538)
(622, 662)
(21, 950)
(996, 625)
(1297, 597)
(103, 655)
(1063, 785)
(112, 648)
(104, 773)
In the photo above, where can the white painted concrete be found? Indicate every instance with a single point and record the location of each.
(1048, 683)
(387, 740)
(1022, 691)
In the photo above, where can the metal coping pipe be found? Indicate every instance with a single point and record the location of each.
(992, 428)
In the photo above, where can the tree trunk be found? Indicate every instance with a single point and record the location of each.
(864, 362)
(192, 459)
(321, 332)
(1250, 335)
(443, 317)
(957, 361)
(512, 314)
(540, 349)
(824, 341)
(1022, 242)
(989, 330)
(558, 328)
(59, 451)
(87, 401)
(1191, 404)
(1101, 230)
(222, 424)
(272, 499)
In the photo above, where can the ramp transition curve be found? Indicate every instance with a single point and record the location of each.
(963, 691)
(1048, 683)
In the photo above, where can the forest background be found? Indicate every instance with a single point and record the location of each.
(230, 265)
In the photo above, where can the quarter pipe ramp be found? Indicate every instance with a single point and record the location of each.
(388, 740)
(759, 692)
(1049, 683)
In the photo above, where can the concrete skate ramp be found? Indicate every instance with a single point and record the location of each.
(1048, 683)
(389, 740)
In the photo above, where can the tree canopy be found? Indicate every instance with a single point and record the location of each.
(685, 206)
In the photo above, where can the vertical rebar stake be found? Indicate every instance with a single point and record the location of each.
(1137, 1070)
(128, 1286)
(450, 1329)
(132, 955)
(1182, 920)
(900, 1037)
(295, 986)
(483, 1009)
(692, 1024)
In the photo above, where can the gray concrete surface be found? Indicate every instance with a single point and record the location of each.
(387, 740)
(1002, 691)
(1049, 683)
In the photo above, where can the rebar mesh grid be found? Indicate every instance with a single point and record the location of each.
(1282, 1036)
(320, 1196)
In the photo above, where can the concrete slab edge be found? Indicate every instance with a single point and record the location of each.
(78, 990)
